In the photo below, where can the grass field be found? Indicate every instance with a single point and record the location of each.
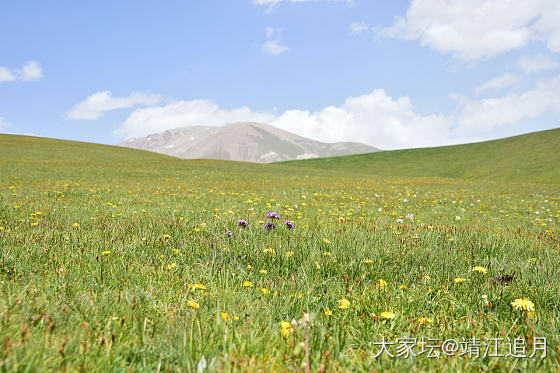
(114, 259)
(534, 157)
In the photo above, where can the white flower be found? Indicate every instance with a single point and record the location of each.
(457, 218)
(399, 220)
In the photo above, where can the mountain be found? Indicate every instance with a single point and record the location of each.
(241, 141)
(529, 158)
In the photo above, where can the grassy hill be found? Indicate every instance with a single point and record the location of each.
(530, 158)
(114, 260)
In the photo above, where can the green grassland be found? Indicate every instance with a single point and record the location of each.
(533, 158)
(115, 259)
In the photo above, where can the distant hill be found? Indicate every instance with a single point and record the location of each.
(531, 158)
(242, 141)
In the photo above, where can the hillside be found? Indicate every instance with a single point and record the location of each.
(531, 158)
(241, 141)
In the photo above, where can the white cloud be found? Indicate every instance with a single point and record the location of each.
(484, 115)
(374, 118)
(274, 48)
(30, 71)
(357, 28)
(177, 114)
(4, 124)
(272, 45)
(529, 64)
(478, 29)
(498, 82)
(95, 105)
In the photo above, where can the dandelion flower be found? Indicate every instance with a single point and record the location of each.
(343, 304)
(459, 280)
(106, 252)
(247, 284)
(263, 271)
(368, 261)
(380, 284)
(523, 304)
(224, 316)
(387, 315)
(328, 312)
(265, 291)
(425, 320)
(326, 241)
(193, 304)
(480, 270)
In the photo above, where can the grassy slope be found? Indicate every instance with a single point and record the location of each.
(64, 305)
(530, 158)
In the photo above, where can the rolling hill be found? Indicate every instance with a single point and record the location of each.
(531, 158)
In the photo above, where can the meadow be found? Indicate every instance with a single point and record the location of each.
(114, 259)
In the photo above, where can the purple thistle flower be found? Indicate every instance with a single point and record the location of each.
(289, 224)
(269, 226)
(243, 223)
(272, 215)
(229, 233)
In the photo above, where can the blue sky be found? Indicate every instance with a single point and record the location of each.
(393, 74)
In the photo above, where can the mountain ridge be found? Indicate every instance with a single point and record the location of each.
(241, 141)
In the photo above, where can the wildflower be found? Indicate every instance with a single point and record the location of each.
(193, 304)
(426, 278)
(289, 254)
(380, 284)
(328, 312)
(229, 233)
(457, 218)
(197, 287)
(289, 224)
(243, 223)
(247, 284)
(480, 270)
(459, 280)
(269, 250)
(285, 329)
(368, 261)
(224, 316)
(263, 271)
(106, 252)
(249, 267)
(387, 315)
(326, 241)
(166, 236)
(403, 287)
(399, 220)
(523, 304)
(343, 304)
(269, 226)
(264, 291)
(273, 215)
(170, 266)
(75, 225)
(425, 320)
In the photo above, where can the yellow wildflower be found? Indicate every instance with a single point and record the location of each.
(247, 284)
(387, 315)
(193, 304)
(343, 304)
(459, 280)
(523, 304)
(480, 270)
(380, 284)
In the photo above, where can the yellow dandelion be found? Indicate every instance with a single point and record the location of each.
(425, 320)
(343, 304)
(269, 250)
(523, 304)
(480, 269)
(289, 254)
(380, 284)
(224, 316)
(170, 266)
(106, 252)
(263, 271)
(265, 291)
(326, 241)
(193, 304)
(368, 261)
(458, 280)
(75, 225)
(403, 287)
(328, 312)
(247, 284)
(387, 315)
